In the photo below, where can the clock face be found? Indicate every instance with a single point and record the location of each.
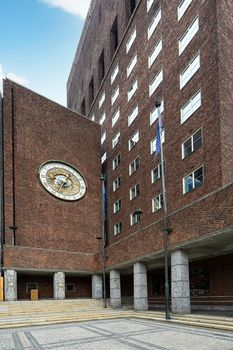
(62, 180)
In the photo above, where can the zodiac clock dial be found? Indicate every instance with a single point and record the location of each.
(62, 180)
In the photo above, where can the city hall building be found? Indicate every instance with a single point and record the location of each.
(131, 53)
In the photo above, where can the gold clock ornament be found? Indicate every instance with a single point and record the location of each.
(62, 180)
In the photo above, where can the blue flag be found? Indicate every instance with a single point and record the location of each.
(158, 137)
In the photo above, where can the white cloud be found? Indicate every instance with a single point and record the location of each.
(75, 7)
(12, 76)
(1, 77)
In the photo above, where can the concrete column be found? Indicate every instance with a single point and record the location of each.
(10, 285)
(59, 285)
(140, 287)
(97, 287)
(180, 282)
(115, 289)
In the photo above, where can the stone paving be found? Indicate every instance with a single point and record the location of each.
(120, 334)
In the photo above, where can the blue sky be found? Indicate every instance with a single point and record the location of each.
(38, 41)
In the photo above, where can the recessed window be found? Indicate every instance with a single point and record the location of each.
(156, 82)
(133, 140)
(115, 95)
(134, 191)
(116, 183)
(134, 217)
(31, 286)
(101, 67)
(131, 40)
(129, 8)
(117, 206)
(188, 35)
(91, 92)
(102, 119)
(149, 4)
(131, 65)
(182, 8)
(156, 173)
(101, 100)
(192, 144)
(134, 166)
(190, 107)
(116, 139)
(70, 287)
(116, 162)
(103, 137)
(154, 114)
(104, 157)
(153, 142)
(189, 71)
(193, 180)
(117, 228)
(132, 116)
(114, 73)
(114, 38)
(93, 118)
(132, 90)
(115, 117)
(83, 107)
(155, 52)
(157, 203)
(155, 21)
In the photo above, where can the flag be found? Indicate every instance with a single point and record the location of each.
(104, 199)
(159, 136)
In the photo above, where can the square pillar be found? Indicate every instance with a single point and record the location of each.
(140, 287)
(115, 289)
(10, 285)
(59, 285)
(97, 287)
(180, 282)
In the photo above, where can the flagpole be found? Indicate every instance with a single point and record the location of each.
(165, 228)
(103, 239)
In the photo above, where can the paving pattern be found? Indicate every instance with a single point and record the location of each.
(118, 334)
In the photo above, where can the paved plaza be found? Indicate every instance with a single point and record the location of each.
(118, 334)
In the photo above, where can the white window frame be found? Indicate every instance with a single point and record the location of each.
(115, 94)
(102, 118)
(116, 139)
(134, 219)
(115, 117)
(132, 90)
(133, 166)
(114, 73)
(116, 162)
(190, 70)
(103, 137)
(182, 8)
(149, 4)
(117, 228)
(104, 157)
(153, 142)
(134, 191)
(116, 184)
(117, 206)
(156, 82)
(101, 100)
(131, 65)
(155, 52)
(134, 140)
(191, 138)
(158, 168)
(159, 198)
(190, 107)
(154, 23)
(131, 39)
(188, 35)
(193, 179)
(133, 115)
(93, 118)
(154, 114)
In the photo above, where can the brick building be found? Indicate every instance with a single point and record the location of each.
(130, 53)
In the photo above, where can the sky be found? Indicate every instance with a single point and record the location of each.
(38, 41)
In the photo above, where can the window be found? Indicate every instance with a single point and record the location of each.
(189, 71)
(102, 119)
(117, 228)
(116, 139)
(93, 118)
(153, 142)
(103, 137)
(183, 6)
(129, 9)
(155, 52)
(134, 191)
(113, 38)
(83, 107)
(117, 206)
(101, 100)
(134, 218)
(132, 116)
(193, 180)
(101, 68)
(134, 166)
(115, 95)
(116, 184)
(154, 23)
(190, 107)
(132, 90)
(188, 35)
(131, 40)
(104, 157)
(149, 4)
(70, 287)
(156, 173)
(154, 114)
(131, 65)
(116, 162)
(31, 286)
(115, 117)
(133, 140)
(91, 92)
(157, 203)
(114, 73)
(155, 83)
(192, 144)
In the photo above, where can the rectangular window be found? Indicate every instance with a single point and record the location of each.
(93, 118)
(133, 140)
(188, 35)
(153, 142)
(115, 117)
(154, 114)
(134, 166)
(83, 107)
(103, 137)
(70, 287)
(116, 183)
(101, 68)
(131, 40)
(117, 228)
(155, 83)
(134, 218)
(102, 119)
(114, 38)
(132, 116)
(156, 173)
(116, 162)
(157, 203)
(193, 180)
(115, 95)
(190, 107)
(131, 65)
(149, 4)
(31, 286)
(114, 73)
(134, 191)
(91, 92)
(192, 144)
(116, 139)
(104, 157)
(155, 52)
(132, 90)
(117, 206)
(183, 6)
(189, 71)
(101, 100)
(155, 21)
